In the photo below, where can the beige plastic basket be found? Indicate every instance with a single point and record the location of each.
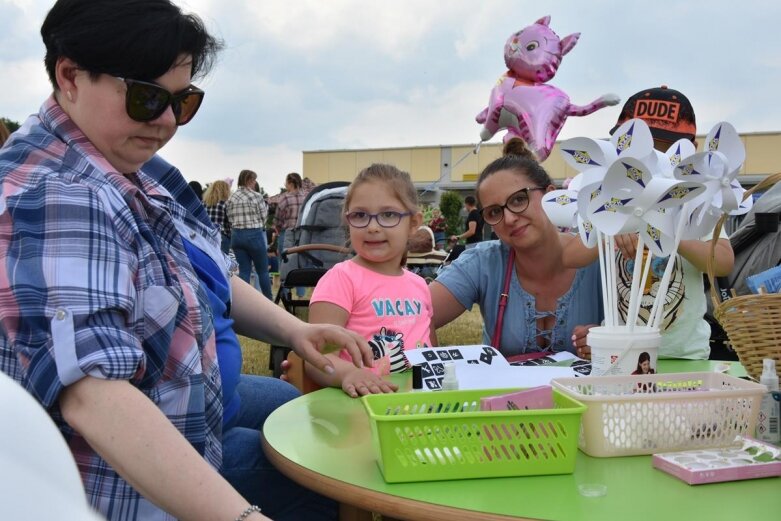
(632, 415)
(752, 322)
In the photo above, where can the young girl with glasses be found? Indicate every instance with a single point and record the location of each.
(373, 294)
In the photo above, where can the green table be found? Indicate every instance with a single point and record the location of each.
(322, 440)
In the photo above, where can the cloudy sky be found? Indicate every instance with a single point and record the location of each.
(347, 74)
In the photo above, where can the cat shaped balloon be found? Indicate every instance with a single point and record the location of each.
(522, 103)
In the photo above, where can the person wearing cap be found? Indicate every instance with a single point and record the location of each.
(668, 113)
(685, 333)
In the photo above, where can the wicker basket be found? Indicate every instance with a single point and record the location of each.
(752, 322)
(646, 414)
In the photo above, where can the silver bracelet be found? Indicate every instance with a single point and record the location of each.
(247, 511)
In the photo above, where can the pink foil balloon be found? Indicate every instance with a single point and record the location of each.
(522, 103)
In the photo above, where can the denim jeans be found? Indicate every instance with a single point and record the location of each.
(225, 243)
(439, 240)
(245, 466)
(249, 246)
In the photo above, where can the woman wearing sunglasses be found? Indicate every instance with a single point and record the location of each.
(111, 289)
(529, 301)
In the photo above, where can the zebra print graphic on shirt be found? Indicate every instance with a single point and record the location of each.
(391, 344)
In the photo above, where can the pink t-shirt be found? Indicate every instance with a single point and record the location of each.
(392, 313)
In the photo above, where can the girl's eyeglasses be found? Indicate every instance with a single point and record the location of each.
(517, 203)
(387, 219)
(146, 101)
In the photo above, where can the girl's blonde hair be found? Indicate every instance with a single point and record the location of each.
(400, 183)
(217, 191)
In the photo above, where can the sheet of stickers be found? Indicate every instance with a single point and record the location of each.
(563, 358)
(432, 360)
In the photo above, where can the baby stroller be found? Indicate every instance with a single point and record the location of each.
(316, 244)
(422, 257)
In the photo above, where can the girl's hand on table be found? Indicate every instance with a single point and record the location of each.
(285, 366)
(360, 382)
(579, 334)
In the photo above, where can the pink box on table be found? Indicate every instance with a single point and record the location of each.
(715, 465)
(533, 398)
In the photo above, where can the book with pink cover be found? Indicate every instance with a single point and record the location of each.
(747, 459)
(535, 398)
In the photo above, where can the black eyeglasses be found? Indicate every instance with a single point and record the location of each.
(387, 219)
(146, 101)
(518, 202)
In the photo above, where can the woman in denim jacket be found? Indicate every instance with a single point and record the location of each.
(545, 300)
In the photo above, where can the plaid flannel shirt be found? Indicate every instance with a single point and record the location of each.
(288, 208)
(219, 216)
(247, 209)
(95, 281)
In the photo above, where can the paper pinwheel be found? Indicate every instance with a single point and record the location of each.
(632, 200)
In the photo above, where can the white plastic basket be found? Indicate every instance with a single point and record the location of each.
(631, 415)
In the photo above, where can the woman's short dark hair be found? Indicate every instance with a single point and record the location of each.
(136, 39)
(294, 179)
(518, 158)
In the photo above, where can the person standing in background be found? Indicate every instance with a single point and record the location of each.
(247, 212)
(197, 188)
(307, 185)
(288, 208)
(474, 224)
(215, 200)
(438, 226)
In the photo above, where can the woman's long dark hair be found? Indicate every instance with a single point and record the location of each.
(516, 157)
(644, 357)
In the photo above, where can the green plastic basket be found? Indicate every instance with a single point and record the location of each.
(429, 436)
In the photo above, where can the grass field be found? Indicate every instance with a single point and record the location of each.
(465, 330)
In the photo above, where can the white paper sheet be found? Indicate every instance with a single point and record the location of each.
(483, 377)
(432, 360)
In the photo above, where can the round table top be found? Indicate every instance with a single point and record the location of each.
(323, 440)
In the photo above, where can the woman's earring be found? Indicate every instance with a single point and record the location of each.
(70, 96)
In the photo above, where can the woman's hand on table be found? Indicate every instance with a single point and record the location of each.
(360, 382)
(579, 335)
(310, 341)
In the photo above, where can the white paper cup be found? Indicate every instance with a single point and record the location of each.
(616, 351)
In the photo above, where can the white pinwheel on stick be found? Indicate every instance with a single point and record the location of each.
(592, 158)
(634, 200)
(716, 168)
(625, 186)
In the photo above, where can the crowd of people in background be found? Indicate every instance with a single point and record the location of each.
(252, 225)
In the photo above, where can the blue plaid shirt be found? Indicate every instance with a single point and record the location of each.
(95, 281)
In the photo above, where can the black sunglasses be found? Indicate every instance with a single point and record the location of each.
(517, 203)
(146, 101)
